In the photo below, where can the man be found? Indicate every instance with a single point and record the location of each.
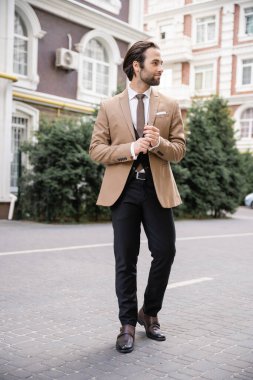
(136, 135)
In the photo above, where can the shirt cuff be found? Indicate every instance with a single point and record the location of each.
(153, 147)
(132, 151)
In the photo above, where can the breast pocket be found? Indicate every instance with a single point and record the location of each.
(163, 123)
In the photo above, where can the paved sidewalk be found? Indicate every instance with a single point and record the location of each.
(58, 310)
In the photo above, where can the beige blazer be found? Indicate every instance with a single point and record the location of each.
(112, 137)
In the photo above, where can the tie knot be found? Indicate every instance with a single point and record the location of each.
(140, 96)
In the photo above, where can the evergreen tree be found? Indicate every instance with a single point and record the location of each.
(229, 176)
(202, 160)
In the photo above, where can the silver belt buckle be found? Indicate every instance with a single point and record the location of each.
(139, 175)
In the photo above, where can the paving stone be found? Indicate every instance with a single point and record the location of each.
(58, 317)
(217, 374)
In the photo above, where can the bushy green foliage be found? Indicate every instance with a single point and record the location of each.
(63, 182)
(202, 161)
(246, 165)
(215, 180)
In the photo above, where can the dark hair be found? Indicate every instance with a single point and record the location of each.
(136, 53)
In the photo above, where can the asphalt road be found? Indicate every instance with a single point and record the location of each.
(58, 310)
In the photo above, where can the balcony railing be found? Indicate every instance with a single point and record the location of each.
(177, 49)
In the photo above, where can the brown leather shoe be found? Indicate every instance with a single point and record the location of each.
(125, 339)
(151, 325)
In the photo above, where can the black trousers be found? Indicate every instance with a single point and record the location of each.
(139, 204)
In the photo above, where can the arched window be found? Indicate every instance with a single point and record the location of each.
(27, 31)
(20, 46)
(246, 123)
(96, 68)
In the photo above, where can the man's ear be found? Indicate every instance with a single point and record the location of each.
(136, 66)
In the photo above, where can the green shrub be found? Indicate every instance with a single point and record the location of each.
(63, 182)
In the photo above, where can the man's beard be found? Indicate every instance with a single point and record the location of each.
(151, 81)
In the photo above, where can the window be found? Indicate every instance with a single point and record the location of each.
(205, 29)
(248, 21)
(20, 46)
(247, 71)
(19, 135)
(246, 123)
(25, 122)
(96, 68)
(204, 78)
(27, 31)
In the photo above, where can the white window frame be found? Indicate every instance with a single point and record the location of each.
(239, 86)
(199, 45)
(94, 63)
(242, 25)
(32, 115)
(24, 39)
(250, 132)
(208, 91)
(115, 59)
(31, 21)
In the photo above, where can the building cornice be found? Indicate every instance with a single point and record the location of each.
(87, 16)
(187, 9)
(51, 101)
(240, 99)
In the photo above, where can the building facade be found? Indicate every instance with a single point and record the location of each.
(57, 57)
(207, 46)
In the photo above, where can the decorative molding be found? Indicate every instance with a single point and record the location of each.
(192, 9)
(30, 16)
(106, 39)
(51, 101)
(87, 16)
(112, 6)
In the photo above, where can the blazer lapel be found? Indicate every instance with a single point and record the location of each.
(153, 106)
(124, 102)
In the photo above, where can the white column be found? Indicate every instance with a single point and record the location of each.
(136, 10)
(7, 8)
(226, 50)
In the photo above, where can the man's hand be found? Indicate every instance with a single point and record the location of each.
(141, 145)
(151, 134)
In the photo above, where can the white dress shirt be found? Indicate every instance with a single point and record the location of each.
(133, 102)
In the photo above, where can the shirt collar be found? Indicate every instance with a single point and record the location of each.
(132, 93)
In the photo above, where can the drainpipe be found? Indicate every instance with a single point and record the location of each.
(12, 205)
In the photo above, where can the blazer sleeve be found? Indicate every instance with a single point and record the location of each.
(172, 148)
(102, 148)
